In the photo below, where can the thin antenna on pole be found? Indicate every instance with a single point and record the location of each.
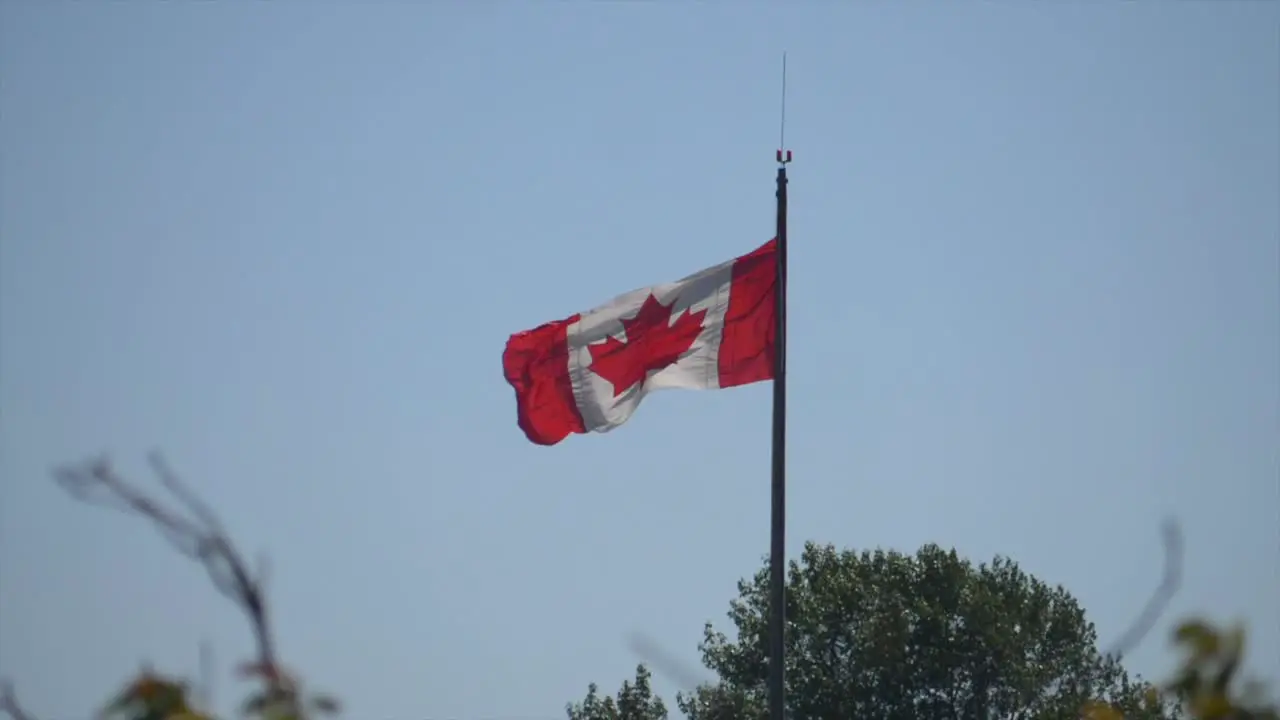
(782, 126)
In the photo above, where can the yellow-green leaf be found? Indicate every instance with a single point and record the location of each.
(1202, 639)
(1101, 711)
(1210, 706)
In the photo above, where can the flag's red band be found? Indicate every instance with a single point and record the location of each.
(536, 364)
(746, 347)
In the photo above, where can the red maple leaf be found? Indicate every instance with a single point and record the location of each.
(653, 342)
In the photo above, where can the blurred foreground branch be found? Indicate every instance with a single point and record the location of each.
(191, 527)
(195, 531)
(1170, 581)
(9, 703)
(653, 654)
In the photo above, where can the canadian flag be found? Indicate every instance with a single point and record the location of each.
(589, 372)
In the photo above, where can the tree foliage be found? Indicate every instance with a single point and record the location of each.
(635, 701)
(886, 635)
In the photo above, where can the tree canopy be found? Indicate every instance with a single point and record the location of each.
(635, 701)
(882, 634)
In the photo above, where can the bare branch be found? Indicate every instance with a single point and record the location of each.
(1170, 581)
(197, 506)
(9, 703)
(198, 534)
(96, 483)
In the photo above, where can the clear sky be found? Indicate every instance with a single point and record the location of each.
(1035, 308)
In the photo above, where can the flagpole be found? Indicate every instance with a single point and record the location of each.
(777, 545)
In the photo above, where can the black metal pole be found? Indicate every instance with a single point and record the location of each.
(778, 529)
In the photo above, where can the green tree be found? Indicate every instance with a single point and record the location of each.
(635, 701)
(900, 637)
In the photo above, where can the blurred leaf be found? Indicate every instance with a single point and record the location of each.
(1204, 682)
(264, 671)
(326, 704)
(149, 697)
(1101, 711)
(254, 704)
(1151, 697)
(1211, 706)
(1202, 640)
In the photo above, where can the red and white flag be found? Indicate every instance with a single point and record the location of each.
(589, 372)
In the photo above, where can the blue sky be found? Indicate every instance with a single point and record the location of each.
(1035, 308)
